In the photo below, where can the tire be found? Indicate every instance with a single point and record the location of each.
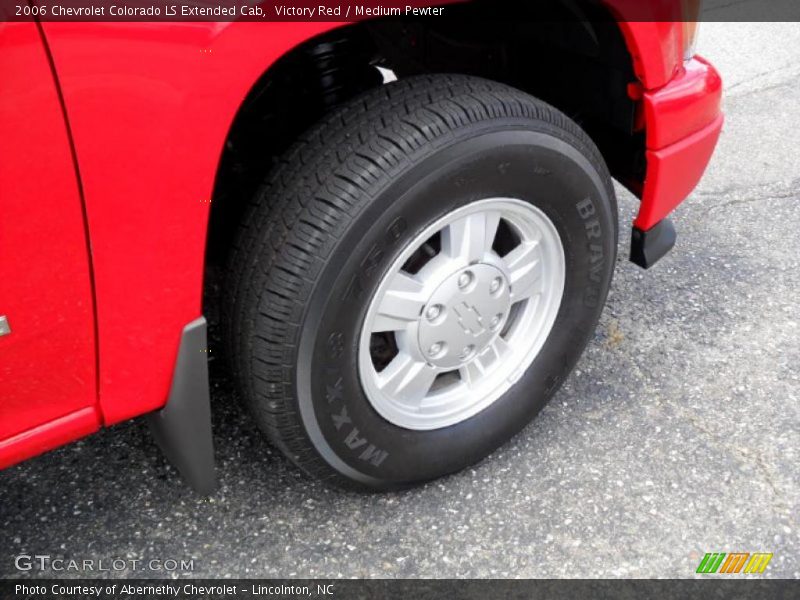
(340, 209)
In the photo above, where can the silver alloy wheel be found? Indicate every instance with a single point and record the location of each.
(465, 325)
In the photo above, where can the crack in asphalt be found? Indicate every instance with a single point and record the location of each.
(783, 84)
(764, 192)
(793, 194)
(727, 92)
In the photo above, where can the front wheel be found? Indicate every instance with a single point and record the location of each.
(418, 277)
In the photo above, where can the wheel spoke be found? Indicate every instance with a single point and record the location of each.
(471, 237)
(401, 304)
(525, 271)
(473, 371)
(407, 379)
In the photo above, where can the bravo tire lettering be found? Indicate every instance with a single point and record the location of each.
(594, 231)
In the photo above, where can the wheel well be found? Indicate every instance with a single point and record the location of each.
(575, 59)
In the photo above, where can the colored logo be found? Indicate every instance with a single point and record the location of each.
(734, 562)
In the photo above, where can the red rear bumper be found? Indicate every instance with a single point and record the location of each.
(683, 120)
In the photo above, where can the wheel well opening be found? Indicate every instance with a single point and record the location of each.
(570, 54)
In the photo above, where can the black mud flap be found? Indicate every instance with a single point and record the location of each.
(182, 428)
(648, 247)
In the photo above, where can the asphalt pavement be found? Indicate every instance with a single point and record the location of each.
(678, 434)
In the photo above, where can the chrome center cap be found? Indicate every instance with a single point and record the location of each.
(463, 315)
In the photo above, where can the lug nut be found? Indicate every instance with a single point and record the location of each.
(433, 312)
(495, 286)
(467, 352)
(465, 279)
(436, 349)
(495, 322)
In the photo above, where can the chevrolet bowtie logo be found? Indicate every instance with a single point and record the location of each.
(470, 319)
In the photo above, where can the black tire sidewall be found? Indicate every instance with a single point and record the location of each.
(506, 159)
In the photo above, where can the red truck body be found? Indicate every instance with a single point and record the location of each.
(110, 139)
